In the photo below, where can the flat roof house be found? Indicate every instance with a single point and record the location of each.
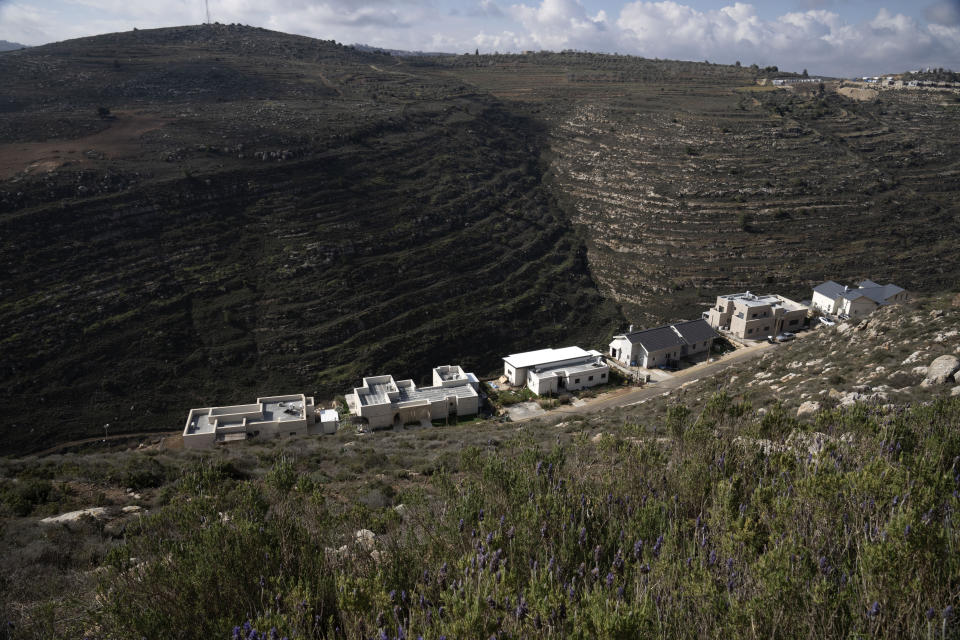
(552, 370)
(751, 317)
(833, 298)
(384, 402)
(662, 346)
(267, 418)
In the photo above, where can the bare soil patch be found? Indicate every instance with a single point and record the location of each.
(120, 140)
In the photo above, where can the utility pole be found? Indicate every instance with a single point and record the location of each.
(206, 5)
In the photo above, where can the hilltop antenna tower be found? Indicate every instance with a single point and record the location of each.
(206, 6)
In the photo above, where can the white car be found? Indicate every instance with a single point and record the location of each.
(824, 320)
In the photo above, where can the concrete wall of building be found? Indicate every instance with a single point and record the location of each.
(858, 308)
(516, 376)
(543, 386)
(199, 440)
(624, 351)
(824, 304)
(699, 347)
(587, 379)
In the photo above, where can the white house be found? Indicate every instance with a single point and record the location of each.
(267, 418)
(384, 402)
(552, 370)
(855, 302)
(664, 345)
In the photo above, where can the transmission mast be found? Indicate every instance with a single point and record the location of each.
(206, 5)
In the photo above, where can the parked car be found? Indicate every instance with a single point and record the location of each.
(827, 321)
(786, 336)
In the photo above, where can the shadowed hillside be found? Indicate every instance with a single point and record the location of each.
(271, 230)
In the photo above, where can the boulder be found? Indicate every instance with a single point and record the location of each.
(941, 370)
(808, 408)
(365, 539)
(73, 517)
(955, 391)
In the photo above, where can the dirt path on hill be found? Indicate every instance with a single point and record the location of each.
(121, 138)
(632, 396)
(119, 436)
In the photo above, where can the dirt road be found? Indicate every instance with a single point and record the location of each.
(636, 396)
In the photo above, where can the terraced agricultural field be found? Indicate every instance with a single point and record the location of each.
(694, 181)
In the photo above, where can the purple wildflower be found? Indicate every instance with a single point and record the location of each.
(931, 612)
(610, 579)
(521, 610)
(874, 610)
(713, 557)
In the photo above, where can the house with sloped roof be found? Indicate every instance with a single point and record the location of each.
(856, 302)
(662, 346)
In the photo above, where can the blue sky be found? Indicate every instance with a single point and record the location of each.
(833, 37)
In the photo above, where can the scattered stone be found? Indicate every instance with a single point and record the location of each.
(920, 371)
(73, 517)
(937, 313)
(132, 508)
(941, 370)
(365, 539)
(808, 408)
(401, 509)
(955, 391)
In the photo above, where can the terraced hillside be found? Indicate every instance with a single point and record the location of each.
(691, 180)
(280, 214)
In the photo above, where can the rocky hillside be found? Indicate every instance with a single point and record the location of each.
(199, 215)
(745, 509)
(246, 212)
(691, 180)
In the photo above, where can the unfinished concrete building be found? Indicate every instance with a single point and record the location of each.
(384, 402)
(268, 417)
(751, 317)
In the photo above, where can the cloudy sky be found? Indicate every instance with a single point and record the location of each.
(835, 37)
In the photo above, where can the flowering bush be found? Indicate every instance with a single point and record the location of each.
(707, 535)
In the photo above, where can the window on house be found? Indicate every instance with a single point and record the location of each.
(602, 376)
(740, 314)
(753, 315)
(749, 330)
(794, 321)
(576, 381)
(766, 328)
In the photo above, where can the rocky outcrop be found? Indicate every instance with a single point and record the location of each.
(808, 408)
(74, 517)
(941, 370)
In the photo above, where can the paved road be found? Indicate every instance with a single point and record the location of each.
(637, 395)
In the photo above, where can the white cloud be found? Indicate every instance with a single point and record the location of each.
(816, 39)
(562, 24)
(819, 39)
